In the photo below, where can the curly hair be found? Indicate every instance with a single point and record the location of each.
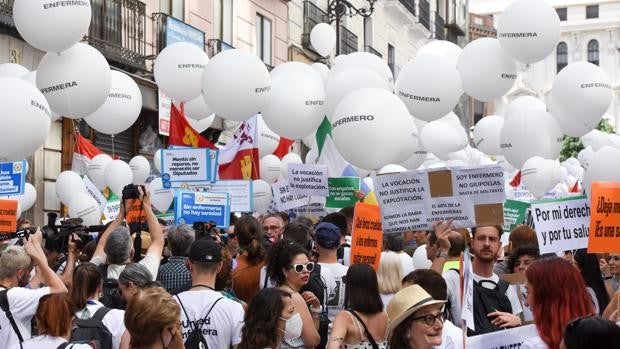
(260, 329)
(280, 256)
(525, 250)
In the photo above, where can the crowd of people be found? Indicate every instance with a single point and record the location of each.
(268, 282)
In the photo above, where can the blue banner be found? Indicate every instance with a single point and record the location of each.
(179, 31)
(12, 178)
(191, 207)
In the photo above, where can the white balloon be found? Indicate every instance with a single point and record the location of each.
(529, 30)
(430, 86)
(537, 175)
(391, 168)
(597, 139)
(121, 109)
(75, 82)
(198, 109)
(364, 60)
(524, 102)
(519, 140)
(486, 71)
(261, 196)
(117, 175)
(270, 168)
(573, 128)
(486, 134)
(348, 81)
(290, 158)
(157, 160)
(13, 70)
(323, 38)
(505, 165)
(415, 160)
(236, 85)
(161, 198)
(412, 143)
(69, 185)
(50, 27)
(267, 139)
(27, 199)
(312, 156)
(31, 77)
(322, 69)
(296, 104)
(585, 157)
(440, 137)
(446, 49)
(86, 208)
(201, 125)
(178, 70)
(140, 169)
(604, 167)
(370, 127)
(25, 119)
(96, 170)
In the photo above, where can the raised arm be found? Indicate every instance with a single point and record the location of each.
(442, 231)
(99, 250)
(32, 246)
(157, 234)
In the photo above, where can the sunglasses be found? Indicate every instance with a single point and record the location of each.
(299, 268)
(430, 319)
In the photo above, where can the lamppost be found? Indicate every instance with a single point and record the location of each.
(339, 8)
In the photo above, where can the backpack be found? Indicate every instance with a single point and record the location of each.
(4, 305)
(487, 301)
(110, 293)
(195, 339)
(317, 286)
(92, 330)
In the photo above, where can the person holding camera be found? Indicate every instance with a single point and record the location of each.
(19, 304)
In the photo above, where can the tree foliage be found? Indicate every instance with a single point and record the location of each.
(572, 145)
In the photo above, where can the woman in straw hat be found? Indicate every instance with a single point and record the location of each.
(415, 319)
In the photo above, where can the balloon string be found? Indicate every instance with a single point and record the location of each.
(112, 138)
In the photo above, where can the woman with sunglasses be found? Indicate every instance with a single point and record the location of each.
(289, 267)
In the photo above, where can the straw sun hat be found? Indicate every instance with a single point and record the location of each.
(406, 302)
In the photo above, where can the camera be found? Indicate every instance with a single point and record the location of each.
(130, 191)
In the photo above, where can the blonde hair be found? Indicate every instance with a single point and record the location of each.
(390, 273)
(148, 313)
(12, 259)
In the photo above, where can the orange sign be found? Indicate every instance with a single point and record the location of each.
(367, 235)
(135, 211)
(604, 218)
(8, 216)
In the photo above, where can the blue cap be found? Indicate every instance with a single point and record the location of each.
(327, 235)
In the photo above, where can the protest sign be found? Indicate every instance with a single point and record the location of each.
(605, 220)
(341, 191)
(8, 217)
(194, 207)
(561, 225)
(12, 178)
(512, 338)
(92, 190)
(285, 199)
(314, 209)
(413, 200)
(185, 165)
(514, 214)
(240, 192)
(367, 235)
(308, 179)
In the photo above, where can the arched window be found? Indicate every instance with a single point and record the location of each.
(593, 52)
(562, 56)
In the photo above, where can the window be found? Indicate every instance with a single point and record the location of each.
(478, 111)
(561, 56)
(174, 8)
(367, 31)
(561, 13)
(223, 20)
(591, 11)
(263, 38)
(593, 52)
(392, 59)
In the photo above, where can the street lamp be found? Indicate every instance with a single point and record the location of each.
(339, 8)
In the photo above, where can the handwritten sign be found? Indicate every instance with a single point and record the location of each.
(8, 216)
(12, 178)
(605, 219)
(341, 191)
(561, 225)
(308, 179)
(194, 207)
(184, 165)
(285, 199)
(367, 235)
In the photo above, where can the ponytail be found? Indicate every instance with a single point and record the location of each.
(86, 280)
(249, 235)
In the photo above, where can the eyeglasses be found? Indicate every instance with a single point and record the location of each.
(430, 319)
(299, 268)
(271, 227)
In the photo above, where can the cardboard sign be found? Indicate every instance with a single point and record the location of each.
(413, 200)
(605, 219)
(514, 214)
(308, 179)
(185, 165)
(92, 190)
(285, 199)
(561, 225)
(12, 178)
(510, 338)
(8, 216)
(341, 191)
(367, 235)
(134, 211)
(191, 207)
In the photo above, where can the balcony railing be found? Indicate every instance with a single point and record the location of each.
(425, 14)
(440, 33)
(370, 49)
(118, 31)
(215, 46)
(313, 15)
(409, 5)
(348, 41)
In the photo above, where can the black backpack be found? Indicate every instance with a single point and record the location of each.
(110, 293)
(317, 286)
(487, 301)
(93, 331)
(195, 339)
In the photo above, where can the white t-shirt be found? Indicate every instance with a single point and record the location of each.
(23, 303)
(419, 258)
(336, 302)
(407, 263)
(113, 320)
(451, 337)
(150, 261)
(45, 341)
(222, 327)
(386, 298)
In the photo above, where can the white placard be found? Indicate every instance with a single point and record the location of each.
(112, 210)
(308, 179)
(510, 338)
(184, 165)
(285, 199)
(92, 190)
(562, 225)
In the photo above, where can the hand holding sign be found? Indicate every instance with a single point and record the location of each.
(442, 231)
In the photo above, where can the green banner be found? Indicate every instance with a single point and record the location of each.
(514, 214)
(341, 191)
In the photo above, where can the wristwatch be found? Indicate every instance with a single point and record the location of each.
(442, 254)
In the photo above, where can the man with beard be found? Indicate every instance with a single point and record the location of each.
(16, 263)
(485, 246)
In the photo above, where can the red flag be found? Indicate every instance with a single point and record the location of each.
(284, 147)
(181, 133)
(84, 151)
(516, 181)
(239, 159)
(575, 188)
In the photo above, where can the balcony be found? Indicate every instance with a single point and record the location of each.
(118, 31)
(7, 26)
(348, 41)
(425, 14)
(440, 33)
(370, 49)
(313, 15)
(409, 5)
